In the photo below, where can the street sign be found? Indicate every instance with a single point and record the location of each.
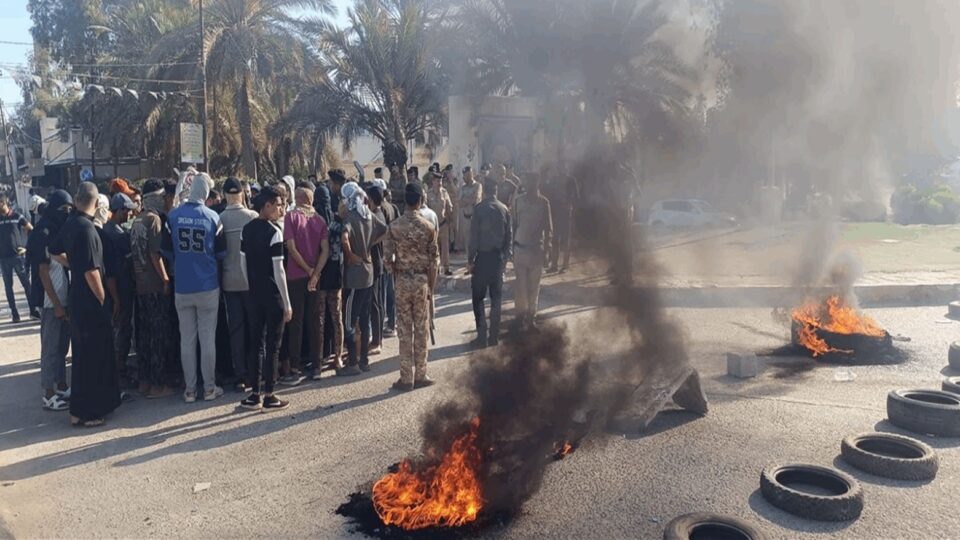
(191, 143)
(85, 175)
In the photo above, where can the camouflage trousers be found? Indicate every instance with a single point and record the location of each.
(413, 324)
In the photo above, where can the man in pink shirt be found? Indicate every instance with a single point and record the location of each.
(305, 235)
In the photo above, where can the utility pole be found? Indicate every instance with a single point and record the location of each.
(6, 138)
(203, 81)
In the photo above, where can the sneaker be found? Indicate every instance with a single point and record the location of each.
(35, 314)
(402, 386)
(349, 371)
(15, 319)
(447, 273)
(423, 383)
(252, 402)
(273, 403)
(213, 394)
(389, 332)
(293, 379)
(189, 396)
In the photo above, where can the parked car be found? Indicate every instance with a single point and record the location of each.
(688, 213)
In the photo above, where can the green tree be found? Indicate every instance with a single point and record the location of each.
(252, 48)
(386, 79)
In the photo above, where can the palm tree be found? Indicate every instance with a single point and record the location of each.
(384, 79)
(250, 45)
(603, 57)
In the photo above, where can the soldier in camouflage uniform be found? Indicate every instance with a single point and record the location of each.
(411, 253)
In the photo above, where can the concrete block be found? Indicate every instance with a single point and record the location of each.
(743, 366)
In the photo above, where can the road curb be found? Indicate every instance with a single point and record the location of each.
(908, 294)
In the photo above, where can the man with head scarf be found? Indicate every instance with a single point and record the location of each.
(196, 244)
(290, 183)
(361, 230)
(50, 290)
(154, 314)
(328, 279)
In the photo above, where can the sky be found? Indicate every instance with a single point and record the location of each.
(15, 27)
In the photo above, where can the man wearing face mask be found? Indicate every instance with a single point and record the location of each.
(120, 280)
(51, 282)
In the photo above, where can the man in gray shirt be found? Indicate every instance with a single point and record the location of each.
(361, 230)
(489, 249)
(236, 291)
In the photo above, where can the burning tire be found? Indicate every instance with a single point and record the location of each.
(928, 412)
(890, 456)
(703, 525)
(952, 385)
(954, 355)
(812, 492)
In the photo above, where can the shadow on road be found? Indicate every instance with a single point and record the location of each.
(789, 521)
(81, 455)
(862, 476)
(884, 426)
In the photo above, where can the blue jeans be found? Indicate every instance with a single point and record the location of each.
(9, 265)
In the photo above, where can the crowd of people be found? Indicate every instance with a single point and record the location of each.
(251, 287)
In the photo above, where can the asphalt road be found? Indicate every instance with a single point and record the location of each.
(283, 474)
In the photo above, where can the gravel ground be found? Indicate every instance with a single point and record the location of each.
(283, 474)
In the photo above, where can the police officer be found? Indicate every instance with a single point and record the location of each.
(411, 252)
(531, 240)
(438, 200)
(489, 250)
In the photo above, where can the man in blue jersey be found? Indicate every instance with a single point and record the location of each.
(195, 243)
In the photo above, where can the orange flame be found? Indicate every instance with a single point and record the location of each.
(444, 495)
(832, 315)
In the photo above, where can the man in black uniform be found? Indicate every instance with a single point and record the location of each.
(11, 255)
(94, 388)
(490, 248)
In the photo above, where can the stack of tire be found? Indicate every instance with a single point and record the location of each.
(828, 494)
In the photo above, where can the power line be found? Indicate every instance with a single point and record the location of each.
(30, 44)
(157, 64)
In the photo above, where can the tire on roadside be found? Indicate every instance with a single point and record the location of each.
(710, 525)
(927, 412)
(952, 385)
(953, 309)
(844, 503)
(890, 456)
(953, 356)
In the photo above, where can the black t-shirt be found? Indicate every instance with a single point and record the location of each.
(80, 241)
(37, 244)
(261, 242)
(331, 277)
(10, 237)
(117, 257)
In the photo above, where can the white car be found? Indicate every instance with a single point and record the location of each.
(687, 213)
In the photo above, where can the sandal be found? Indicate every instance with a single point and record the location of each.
(55, 403)
(64, 394)
(96, 422)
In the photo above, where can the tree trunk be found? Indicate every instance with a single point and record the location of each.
(249, 152)
(394, 153)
